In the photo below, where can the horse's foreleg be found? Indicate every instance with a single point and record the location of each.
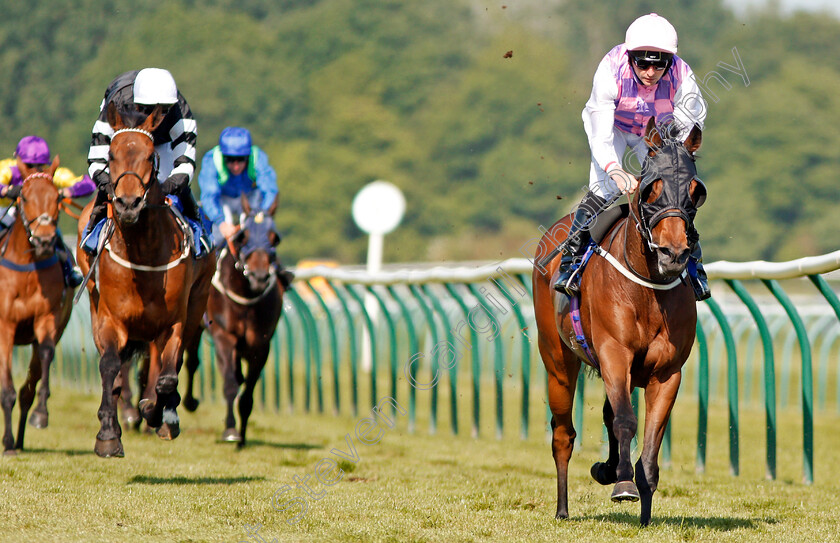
(108, 441)
(659, 399)
(46, 353)
(256, 363)
(150, 408)
(605, 472)
(131, 416)
(167, 384)
(27, 394)
(7, 388)
(192, 361)
(229, 366)
(617, 383)
(563, 369)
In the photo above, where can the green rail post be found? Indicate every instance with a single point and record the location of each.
(822, 380)
(833, 301)
(354, 360)
(499, 363)
(430, 319)
(333, 346)
(453, 371)
(769, 372)
(275, 348)
(702, 397)
(732, 385)
(290, 349)
(310, 345)
(525, 344)
(372, 335)
(392, 337)
(413, 349)
(475, 358)
(807, 379)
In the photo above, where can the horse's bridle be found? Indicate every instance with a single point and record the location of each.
(41, 220)
(644, 225)
(154, 159)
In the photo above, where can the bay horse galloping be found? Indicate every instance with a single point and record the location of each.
(244, 306)
(150, 292)
(637, 320)
(35, 304)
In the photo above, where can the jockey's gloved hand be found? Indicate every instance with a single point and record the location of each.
(174, 184)
(12, 192)
(102, 179)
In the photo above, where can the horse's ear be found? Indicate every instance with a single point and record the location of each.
(21, 166)
(694, 139)
(273, 207)
(113, 116)
(246, 205)
(154, 119)
(54, 166)
(653, 138)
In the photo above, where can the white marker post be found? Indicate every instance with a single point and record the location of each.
(377, 209)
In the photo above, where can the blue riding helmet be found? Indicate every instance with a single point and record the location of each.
(235, 141)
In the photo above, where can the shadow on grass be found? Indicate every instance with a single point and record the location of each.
(179, 480)
(297, 446)
(720, 524)
(65, 452)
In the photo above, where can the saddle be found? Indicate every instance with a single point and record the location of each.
(92, 242)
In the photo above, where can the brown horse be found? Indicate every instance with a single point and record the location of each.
(244, 307)
(639, 335)
(35, 304)
(150, 292)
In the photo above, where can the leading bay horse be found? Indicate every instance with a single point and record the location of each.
(150, 292)
(639, 327)
(35, 303)
(244, 306)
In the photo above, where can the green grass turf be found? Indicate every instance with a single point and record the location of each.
(408, 487)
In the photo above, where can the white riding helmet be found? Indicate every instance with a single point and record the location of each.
(651, 33)
(154, 86)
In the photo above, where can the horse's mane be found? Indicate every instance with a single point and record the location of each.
(131, 117)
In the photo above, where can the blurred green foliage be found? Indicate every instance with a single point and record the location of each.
(344, 92)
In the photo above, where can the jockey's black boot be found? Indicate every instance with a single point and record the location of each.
(699, 281)
(72, 277)
(579, 238)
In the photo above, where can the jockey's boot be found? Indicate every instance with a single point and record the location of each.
(699, 281)
(193, 212)
(97, 213)
(579, 238)
(72, 276)
(284, 276)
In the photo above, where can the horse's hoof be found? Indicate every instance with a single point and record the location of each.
(191, 404)
(171, 425)
(603, 474)
(231, 435)
(10, 452)
(168, 432)
(106, 448)
(38, 420)
(131, 416)
(625, 491)
(148, 410)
